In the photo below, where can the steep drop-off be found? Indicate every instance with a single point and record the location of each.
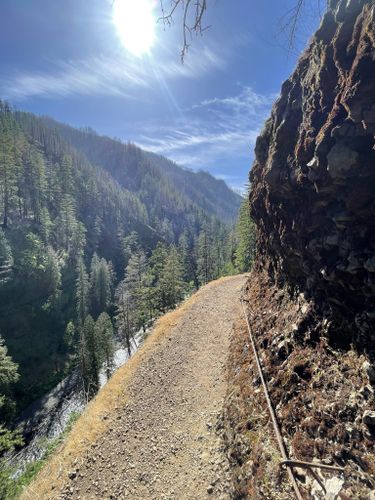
(313, 180)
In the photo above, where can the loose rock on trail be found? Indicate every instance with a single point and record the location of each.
(161, 443)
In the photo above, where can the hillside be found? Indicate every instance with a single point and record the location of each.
(208, 192)
(142, 173)
(71, 202)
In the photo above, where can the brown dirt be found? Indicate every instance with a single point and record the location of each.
(155, 435)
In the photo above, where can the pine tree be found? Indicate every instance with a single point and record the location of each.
(33, 258)
(188, 258)
(173, 278)
(53, 277)
(35, 181)
(129, 245)
(100, 285)
(6, 259)
(158, 262)
(69, 336)
(89, 362)
(205, 259)
(246, 238)
(82, 292)
(9, 168)
(138, 282)
(65, 223)
(125, 317)
(78, 241)
(104, 337)
(66, 175)
(8, 376)
(45, 225)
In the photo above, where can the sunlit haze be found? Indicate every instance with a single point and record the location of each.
(135, 24)
(110, 65)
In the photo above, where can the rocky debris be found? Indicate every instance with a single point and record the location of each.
(313, 180)
(333, 487)
(322, 397)
(369, 369)
(369, 418)
(163, 442)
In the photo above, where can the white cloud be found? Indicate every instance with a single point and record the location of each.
(115, 75)
(217, 129)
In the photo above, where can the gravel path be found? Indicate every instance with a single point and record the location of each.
(162, 443)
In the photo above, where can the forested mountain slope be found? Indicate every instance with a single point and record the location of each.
(88, 222)
(208, 192)
(145, 173)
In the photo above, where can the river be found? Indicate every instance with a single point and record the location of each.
(47, 418)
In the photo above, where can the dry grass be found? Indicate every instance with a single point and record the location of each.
(96, 418)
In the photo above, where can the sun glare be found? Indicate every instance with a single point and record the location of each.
(135, 23)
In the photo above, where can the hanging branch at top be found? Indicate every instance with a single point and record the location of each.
(196, 8)
(292, 18)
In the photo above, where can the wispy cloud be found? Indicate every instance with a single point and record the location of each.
(106, 75)
(212, 132)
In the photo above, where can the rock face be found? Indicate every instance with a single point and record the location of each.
(313, 181)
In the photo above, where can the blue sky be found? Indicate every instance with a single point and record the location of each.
(64, 58)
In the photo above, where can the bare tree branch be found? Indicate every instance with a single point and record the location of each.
(190, 8)
(291, 20)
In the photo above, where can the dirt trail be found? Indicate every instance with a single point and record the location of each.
(162, 443)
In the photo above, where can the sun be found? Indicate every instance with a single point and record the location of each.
(135, 23)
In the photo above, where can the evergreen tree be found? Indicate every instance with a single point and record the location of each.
(246, 238)
(6, 259)
(34, 181)
(53, 277)
(124, 316)
(33, 257)
(205, 261)
(100, 285)
(78, 241)
(173, 278)
(129, 245)
(45, 225)
(158, 263)
(188, 258)
(69, 336)
(104, 336)
(82, 292)
(137, 282)
(66, 222)
(89, 362)
(9, 170)
(8, 376)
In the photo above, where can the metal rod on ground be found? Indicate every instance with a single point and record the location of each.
(271, 410)
(300, 463)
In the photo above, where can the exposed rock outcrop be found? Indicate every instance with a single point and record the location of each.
(313, 181)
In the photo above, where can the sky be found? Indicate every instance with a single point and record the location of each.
(67, 59)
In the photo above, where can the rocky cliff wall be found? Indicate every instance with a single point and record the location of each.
(313, 181)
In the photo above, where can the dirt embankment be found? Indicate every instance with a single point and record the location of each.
(323, 398)
(151, 433)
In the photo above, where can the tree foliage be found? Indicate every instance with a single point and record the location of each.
(245, 231)
(72, 233)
